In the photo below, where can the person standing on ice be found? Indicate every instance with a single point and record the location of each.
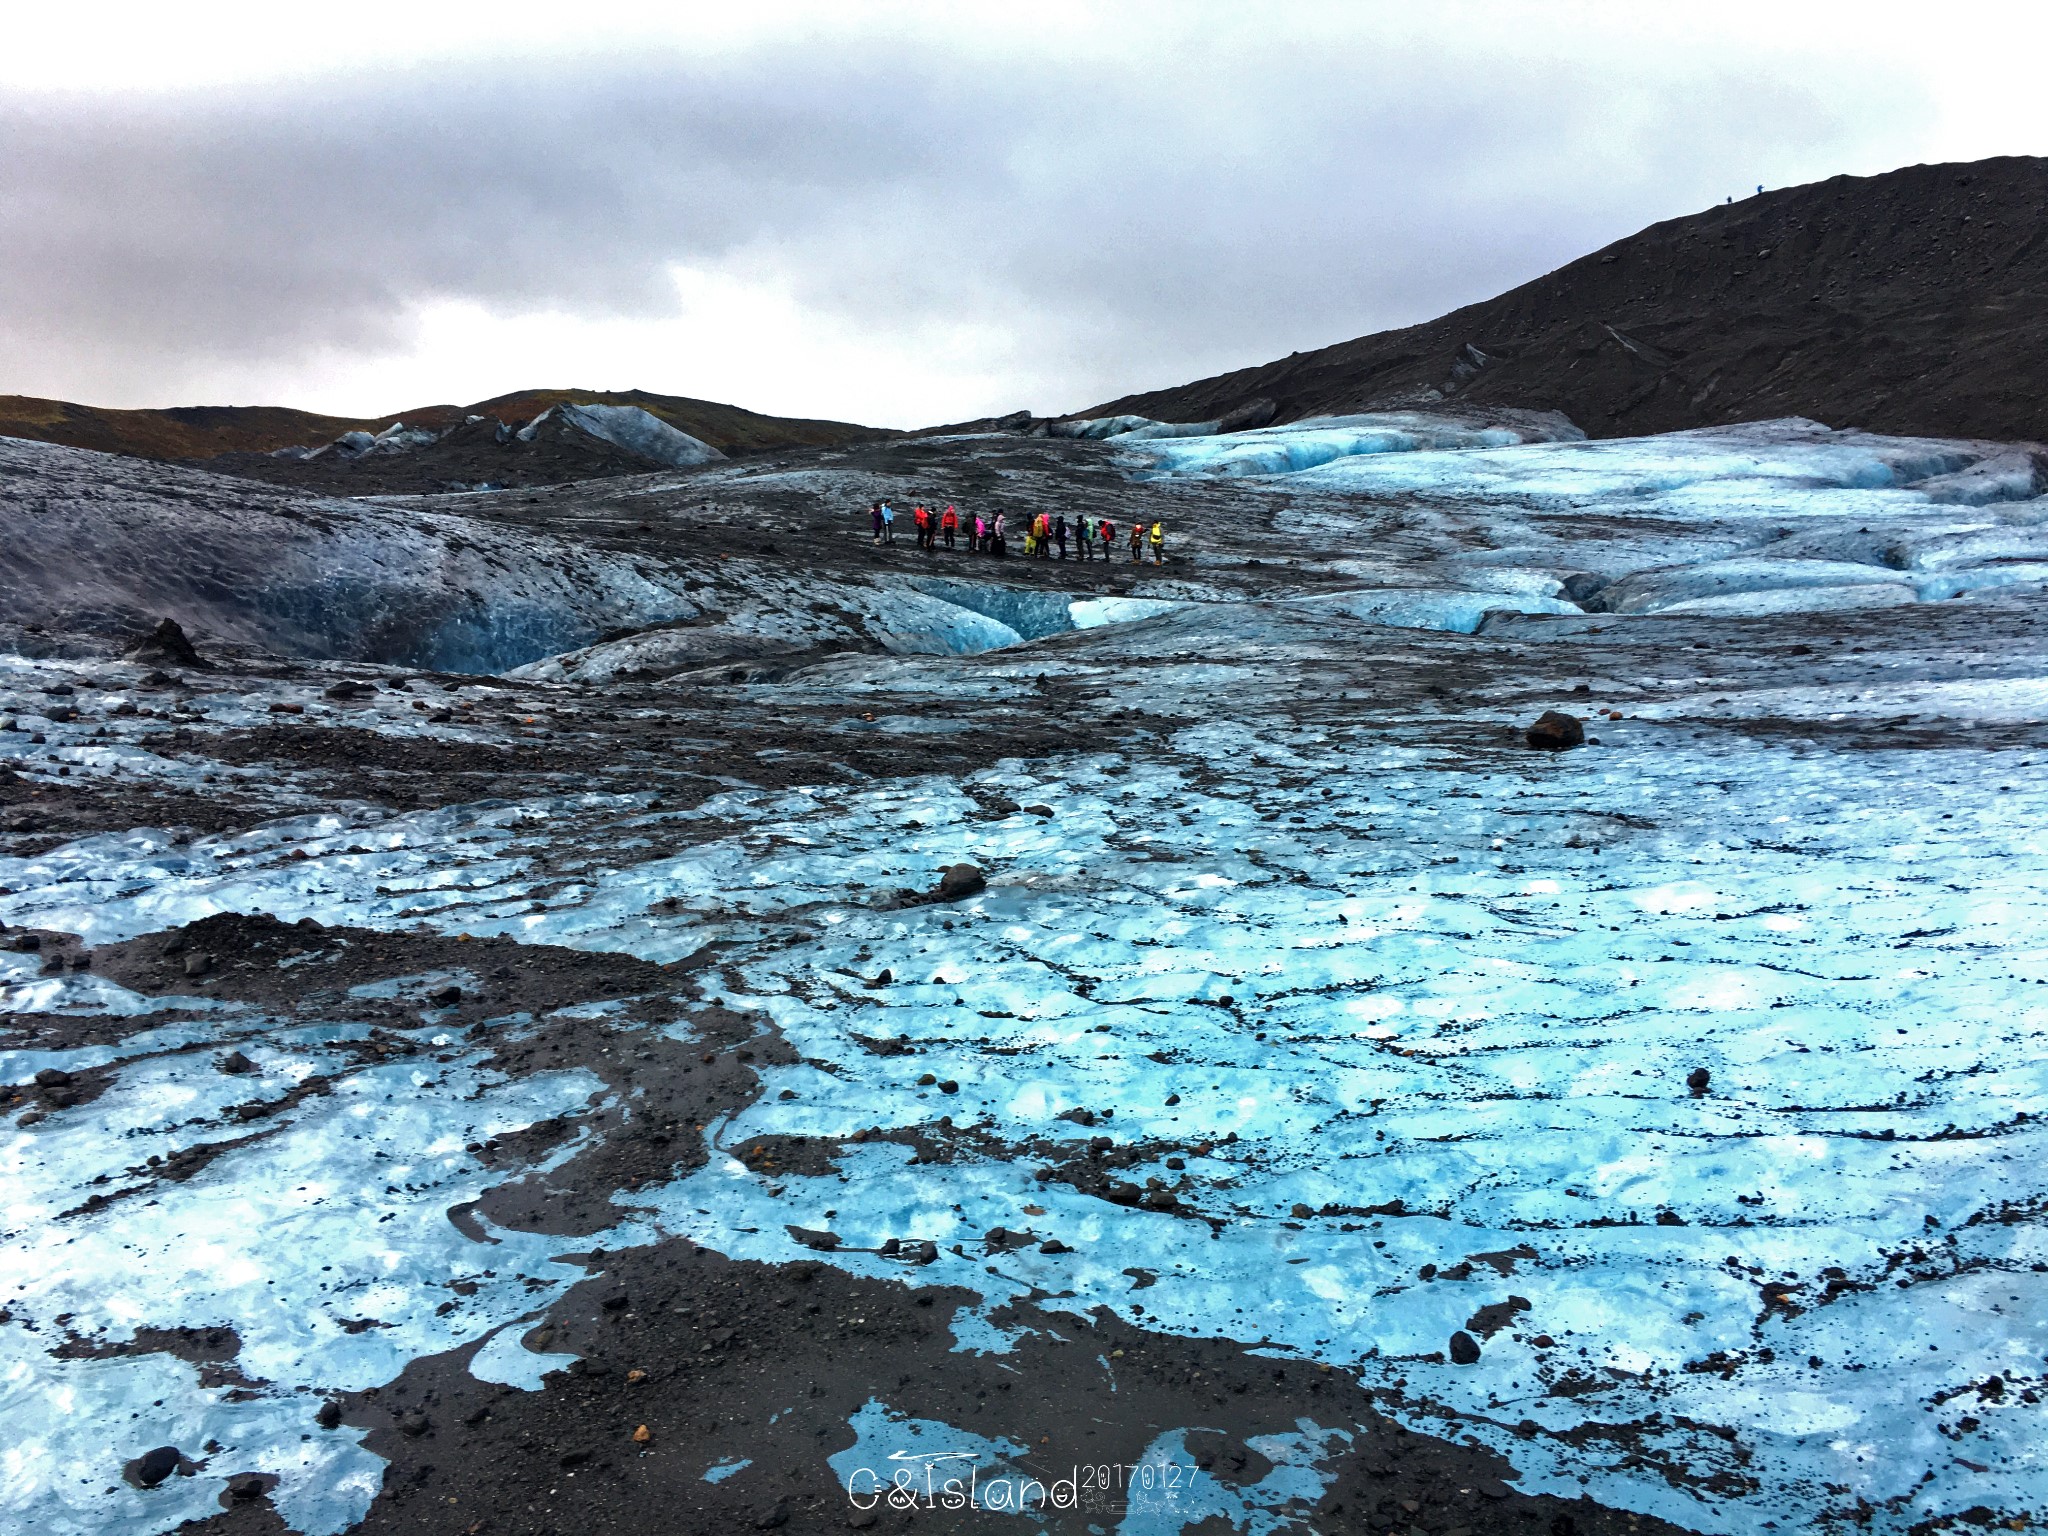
(922, 518)
(999, 542)
(1105, 535)
(1084, 536)
(1059, 533)
(1137, 539)
(949, 524)
(875, 516)
(1158, 537)
(888, 523)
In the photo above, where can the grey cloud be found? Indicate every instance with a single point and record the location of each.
(1135, 220)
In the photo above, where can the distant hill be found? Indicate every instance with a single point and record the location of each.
(185, 431)
(204, 432)
(1913, 302)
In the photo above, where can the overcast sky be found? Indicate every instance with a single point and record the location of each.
(892, 214)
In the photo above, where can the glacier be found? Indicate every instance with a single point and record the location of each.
(1416, 1005)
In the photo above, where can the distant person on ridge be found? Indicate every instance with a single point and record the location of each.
(922, 516)
(1137, 539)
(1059, 533)
(1158, 537)
(949, 524)
(888, 523)
(1084, 535)
(875, 516)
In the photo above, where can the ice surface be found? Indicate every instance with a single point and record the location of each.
(1479, 1058)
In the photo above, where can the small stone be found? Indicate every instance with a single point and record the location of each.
(1697, 1080)
(1464, 1348)
(926, 1079)
(152, 1467)
(414, 1423)
(28, 943)
(643, 1436)
(635, 1376)
(445, 997)
(1555, 731)
(1053, 1245)
(1301, 1212)
(616, 1301)
(927, 1252)
(198, 965)
(53, 1077)
(329, 1415)
(235, 1064)
(885, 978)
(958, 881)
(860, 1519)
(949, 1086)
(774, 1517)
(811, 1237)
(246, 1485)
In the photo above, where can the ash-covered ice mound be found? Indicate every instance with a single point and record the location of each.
(105, 547)
(627, 427)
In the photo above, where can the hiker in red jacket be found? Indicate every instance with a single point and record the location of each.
(949, 524)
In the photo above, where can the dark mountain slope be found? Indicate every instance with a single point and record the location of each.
(728, 428)
(204, 432)
(189, 431)
(1915, 301)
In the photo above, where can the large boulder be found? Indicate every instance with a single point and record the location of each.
(1555, 731)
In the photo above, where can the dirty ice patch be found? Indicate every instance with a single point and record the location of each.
(1168, 1491)
(319, 1234)
(900, 1463)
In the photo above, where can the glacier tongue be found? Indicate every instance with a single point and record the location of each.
(1304, 1004)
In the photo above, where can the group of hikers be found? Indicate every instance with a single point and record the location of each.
(1043, 533)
